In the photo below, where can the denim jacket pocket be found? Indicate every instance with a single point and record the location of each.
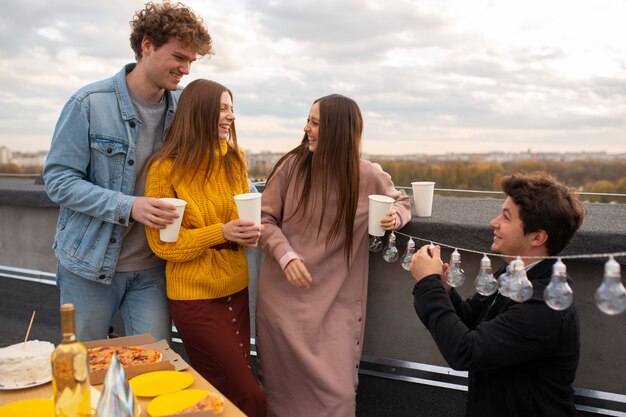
(108, 156)
(84, 239)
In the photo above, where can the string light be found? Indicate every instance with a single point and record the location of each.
(455, 276)
(611, 295)
(410, 250)
(485, 282)
(391, 252)
(558, 295)
(514, 283)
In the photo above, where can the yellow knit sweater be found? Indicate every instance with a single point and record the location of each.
(194, 270)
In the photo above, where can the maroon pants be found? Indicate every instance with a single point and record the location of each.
(216, 335)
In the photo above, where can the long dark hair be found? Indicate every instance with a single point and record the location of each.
(332, 168)
(193, 135)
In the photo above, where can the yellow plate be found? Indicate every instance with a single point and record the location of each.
(37, 407)
(159, 383)
(167, 404)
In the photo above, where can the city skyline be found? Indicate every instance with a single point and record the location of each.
(451, 76)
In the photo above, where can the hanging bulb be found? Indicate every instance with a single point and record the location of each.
(558, 295)
(376, 244)
(503, 281)
(485, 282)
(520, 288)
(410, 250)
(391, 253)
(455, 276)
(611, 295)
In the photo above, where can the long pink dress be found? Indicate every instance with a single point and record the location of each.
(309, 340)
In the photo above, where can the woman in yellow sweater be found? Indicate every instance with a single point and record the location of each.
(206, 271)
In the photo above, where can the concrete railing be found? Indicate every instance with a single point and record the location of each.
(396, 343)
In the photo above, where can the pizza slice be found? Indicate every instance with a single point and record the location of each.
(212, 402)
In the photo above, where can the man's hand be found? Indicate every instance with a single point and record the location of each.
(297, 274)
(153, 212)
(423, 264)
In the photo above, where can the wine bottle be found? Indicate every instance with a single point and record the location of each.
(70, 371)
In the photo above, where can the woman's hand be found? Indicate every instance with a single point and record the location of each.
(389, 221)
(297, 274)
(242, 232)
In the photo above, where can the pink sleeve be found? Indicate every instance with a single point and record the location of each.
(288, 257)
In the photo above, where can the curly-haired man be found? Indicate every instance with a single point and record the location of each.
(105, 134)
(521, 358)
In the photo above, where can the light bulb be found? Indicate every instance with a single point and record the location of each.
(485, 282)
(408, 255)
(520, 288)
(376, 244)
(558, 295)
(455, 276)
(611, 295)
(391, 253)
(503, 281)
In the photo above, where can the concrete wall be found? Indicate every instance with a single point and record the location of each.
(392, 328)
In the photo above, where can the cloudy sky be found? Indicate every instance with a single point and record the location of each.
(430, 76)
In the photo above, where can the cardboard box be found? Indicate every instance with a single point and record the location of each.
(170, 359)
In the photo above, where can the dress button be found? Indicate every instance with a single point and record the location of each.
(359, 318)
(122, 220)
(230, 298)
(131, 162)
(237, 332)
(358, 343)
(102, 277)
(230, 308)
(109, 149)
(112, 240)
(240, 344)
(234, 320)
(132, 124)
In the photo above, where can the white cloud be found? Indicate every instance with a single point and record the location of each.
(430, 77)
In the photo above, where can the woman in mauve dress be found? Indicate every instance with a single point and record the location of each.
(313, 284)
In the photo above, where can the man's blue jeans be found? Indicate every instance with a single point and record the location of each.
(140, 297)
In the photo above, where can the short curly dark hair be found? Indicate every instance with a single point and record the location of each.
(545, 204)
(160, 22)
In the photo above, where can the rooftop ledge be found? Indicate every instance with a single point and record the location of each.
(456, 221)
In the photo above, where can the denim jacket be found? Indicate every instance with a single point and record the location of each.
(90, 172)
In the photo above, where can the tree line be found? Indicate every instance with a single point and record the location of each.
(592, 176)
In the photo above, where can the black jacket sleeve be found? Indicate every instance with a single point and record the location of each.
(518, 333)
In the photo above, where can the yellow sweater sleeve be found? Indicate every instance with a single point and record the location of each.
(194, 239)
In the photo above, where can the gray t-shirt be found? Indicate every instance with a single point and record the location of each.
(136, 255)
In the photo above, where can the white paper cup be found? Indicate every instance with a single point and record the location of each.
(378, 208)
(249, 206)
(170, 233)
(423, 197)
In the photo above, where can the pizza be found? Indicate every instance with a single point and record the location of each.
(212, 402)
(100, 357)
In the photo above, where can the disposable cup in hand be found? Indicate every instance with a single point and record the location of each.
(423, 197)
(378, 209)
(249, 206)
(170, 233)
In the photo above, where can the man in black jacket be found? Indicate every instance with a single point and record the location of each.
(521, 357)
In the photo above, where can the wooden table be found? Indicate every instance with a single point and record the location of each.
(45, 391)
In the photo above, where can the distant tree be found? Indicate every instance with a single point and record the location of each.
(32, 169)
(10, 169)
